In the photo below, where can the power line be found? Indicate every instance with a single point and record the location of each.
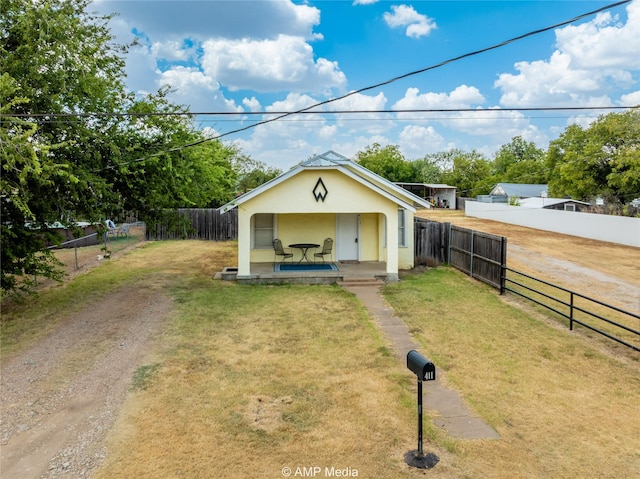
(299, 112)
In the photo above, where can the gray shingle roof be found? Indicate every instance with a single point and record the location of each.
(519, 190)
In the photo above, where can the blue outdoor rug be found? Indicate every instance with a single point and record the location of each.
(302, 267)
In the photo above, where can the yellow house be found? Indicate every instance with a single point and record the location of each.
(369, 218)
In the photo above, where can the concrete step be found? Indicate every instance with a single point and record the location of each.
(364, 281)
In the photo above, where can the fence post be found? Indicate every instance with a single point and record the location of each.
(445, 242)
(571, 311)
(471, 255)
(503, 264)
(449, 245)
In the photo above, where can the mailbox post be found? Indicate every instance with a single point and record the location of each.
(424, 370)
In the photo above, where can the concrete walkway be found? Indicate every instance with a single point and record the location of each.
(453, 415)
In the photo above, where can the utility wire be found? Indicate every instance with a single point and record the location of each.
(299, 112)
(384, 83)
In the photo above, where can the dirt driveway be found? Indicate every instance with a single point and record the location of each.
(60, 396)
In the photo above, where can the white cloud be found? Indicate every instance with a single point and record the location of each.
(364, 2)
(327, 132)
(139, 64)
(591, 60)
(630, 99)
(252, 103)
(184, 78)
(231, 19)
(417, 25)
(191, 87)
(556, 83)
(461, 97)
(603, 42)
(372, 123)
(416, 141)
(286, 142)
(490, 122)
(284, 63)
(293, 102)
(172, 50)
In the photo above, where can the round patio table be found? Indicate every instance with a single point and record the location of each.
(304, 247)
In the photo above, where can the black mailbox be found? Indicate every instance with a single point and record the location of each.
(421, 366)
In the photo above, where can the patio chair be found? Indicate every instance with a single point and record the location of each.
(279, 251)
(326, 249)
(110, 229)
(123, 230)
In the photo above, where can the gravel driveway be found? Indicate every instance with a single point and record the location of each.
(61, 396)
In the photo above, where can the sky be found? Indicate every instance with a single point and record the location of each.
(270, 56)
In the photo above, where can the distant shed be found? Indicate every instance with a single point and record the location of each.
(439, 195)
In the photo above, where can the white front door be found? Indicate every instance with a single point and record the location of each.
(347, 237)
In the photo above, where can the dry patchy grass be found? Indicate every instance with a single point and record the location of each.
(251, 379)
(254, 379)
(562, 408)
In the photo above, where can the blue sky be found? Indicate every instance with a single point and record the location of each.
(280, 55)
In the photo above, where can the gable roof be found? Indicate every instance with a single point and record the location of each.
(334, 161)
(519, 190)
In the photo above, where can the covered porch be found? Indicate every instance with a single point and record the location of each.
(368, 219)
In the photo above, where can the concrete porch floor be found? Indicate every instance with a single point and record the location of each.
(263, 273)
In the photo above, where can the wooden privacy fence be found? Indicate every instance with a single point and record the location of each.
(480, 255)
(431, 242)
(194, 223)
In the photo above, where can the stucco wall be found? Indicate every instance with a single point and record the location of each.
(615, 229)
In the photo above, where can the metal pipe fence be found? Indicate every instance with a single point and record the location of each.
(568, 308)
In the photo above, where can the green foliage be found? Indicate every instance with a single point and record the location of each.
(469, 172)
(252, 173)
(425, 170)
(386, 161)
(108, 157)
(520, 162)
(601, 160)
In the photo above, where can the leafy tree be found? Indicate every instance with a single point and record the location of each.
(150, 169)
(601, 160)
(252, 173)
(76, 145)
(520, 162)
(469, 172)
(386, 161)
(24, 164)
(425, 170)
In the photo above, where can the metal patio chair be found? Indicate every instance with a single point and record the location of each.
(279, 251)
(326, 250)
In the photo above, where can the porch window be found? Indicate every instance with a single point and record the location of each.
(402, 227)
(263, 227)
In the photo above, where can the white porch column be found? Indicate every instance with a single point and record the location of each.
(244, 242)
(392, 246)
